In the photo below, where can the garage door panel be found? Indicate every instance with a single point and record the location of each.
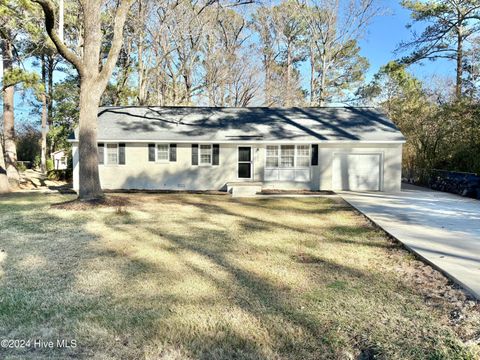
(356, 171)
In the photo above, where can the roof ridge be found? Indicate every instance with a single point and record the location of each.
(235, 107)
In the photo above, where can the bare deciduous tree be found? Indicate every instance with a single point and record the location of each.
(94, 76)
(281, 30)
(334, 28)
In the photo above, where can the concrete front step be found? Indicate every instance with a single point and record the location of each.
(244, 189)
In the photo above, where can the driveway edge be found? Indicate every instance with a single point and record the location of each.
(452, 278)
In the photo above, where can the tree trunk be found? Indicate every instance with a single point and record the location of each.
(288, 102)
(458, 85)
(50, 69)
(141, 73)
(90, 188)
(60, 19)
(48, 82)
(43, 155)
(312, 76)
(188, 88)
(43, 159)
(8, 117)
(90, 93)
(141, 65)
(9, 134)
(267, 81)
(4, 187)
(323, 76)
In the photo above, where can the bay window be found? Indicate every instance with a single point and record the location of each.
(287, 163)
(288, 156)
(272, 156)
(303, 156)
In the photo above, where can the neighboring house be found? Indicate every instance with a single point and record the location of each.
(200, 148)
(60, 160)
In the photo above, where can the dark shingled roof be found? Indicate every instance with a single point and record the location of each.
(136, 123)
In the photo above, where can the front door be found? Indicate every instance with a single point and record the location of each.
(244, 162)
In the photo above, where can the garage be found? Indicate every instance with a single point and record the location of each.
(357, 171)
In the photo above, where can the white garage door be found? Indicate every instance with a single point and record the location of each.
(356, 171)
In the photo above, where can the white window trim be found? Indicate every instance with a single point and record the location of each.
(156, 153)
(279, 156)
(105, 154)
(200, 155)
(309, 156)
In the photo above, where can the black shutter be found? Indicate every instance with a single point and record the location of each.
(151, 152)
(216, 154)
(173, 152)
(194, 154)
(121, 154)
(101, 151)
(314, 155)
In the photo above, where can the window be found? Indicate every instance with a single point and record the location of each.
(287, 156)
(112, 154)
(303, 156)
(272, 156)
(205, 154)
(162, 152)
(63, 160)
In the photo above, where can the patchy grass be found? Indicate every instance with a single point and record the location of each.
(183, 276)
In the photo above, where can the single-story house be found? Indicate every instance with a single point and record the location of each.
(207, 148)
(60, 160)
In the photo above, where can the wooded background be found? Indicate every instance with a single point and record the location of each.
(241, 53)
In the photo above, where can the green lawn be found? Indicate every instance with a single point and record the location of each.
(207, 277)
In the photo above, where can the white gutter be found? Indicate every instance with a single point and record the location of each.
(193, 141)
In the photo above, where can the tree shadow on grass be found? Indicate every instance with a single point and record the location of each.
(255, 294)
(188, 284)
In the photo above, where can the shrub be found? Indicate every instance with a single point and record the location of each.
(36, 162)
(65, 175)
(49, 165)
(21, 166)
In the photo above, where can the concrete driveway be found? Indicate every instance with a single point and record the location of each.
(442, 228)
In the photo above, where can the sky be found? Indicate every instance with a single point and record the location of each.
(384, 34)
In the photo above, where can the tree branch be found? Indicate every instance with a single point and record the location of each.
(120, 18)
(70, 56)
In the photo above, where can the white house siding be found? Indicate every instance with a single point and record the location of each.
(139, 173)
(57, 160)
(391, 169)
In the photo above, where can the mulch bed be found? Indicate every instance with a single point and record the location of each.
(134, 191)
(108, 201)
(112, 201)
(295, 192)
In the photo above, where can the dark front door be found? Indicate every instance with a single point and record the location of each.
(244, 162)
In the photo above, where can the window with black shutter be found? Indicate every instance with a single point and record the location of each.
(101, 153)
(173, 152)
(121, 154)
(194, 154)
(314, 155)
(216, 154)
(151, 152)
